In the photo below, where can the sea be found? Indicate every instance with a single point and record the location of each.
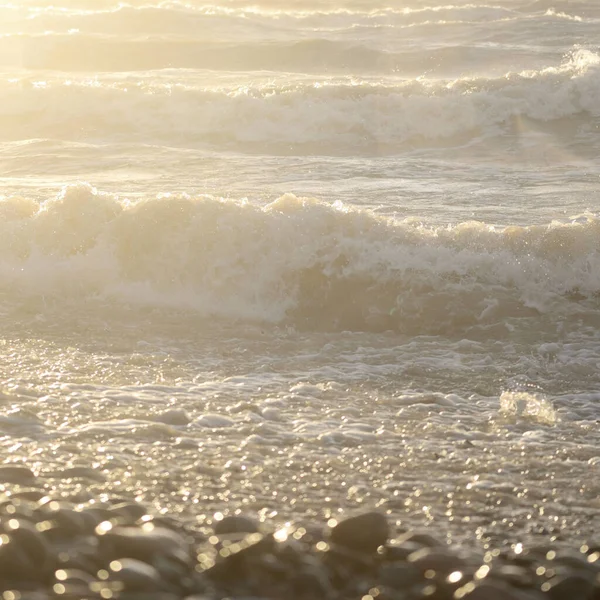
(298, 259)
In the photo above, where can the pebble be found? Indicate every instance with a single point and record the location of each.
(571, 586)
(235, 524)
(363, 533)
(16, 474)
(135, 575)
(142, 543)
(115, 549)
(399, 576)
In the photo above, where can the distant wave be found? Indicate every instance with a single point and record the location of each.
(318, 115)
(185, 18)
(297, 261)
(98, 52)
(225, 22)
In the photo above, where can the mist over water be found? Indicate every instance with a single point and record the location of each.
(326, 233)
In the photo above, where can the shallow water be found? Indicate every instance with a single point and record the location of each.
(304, 259)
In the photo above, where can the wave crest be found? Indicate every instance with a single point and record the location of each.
(336, 116)
(295, 260)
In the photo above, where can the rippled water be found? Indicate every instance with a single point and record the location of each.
(300, 258)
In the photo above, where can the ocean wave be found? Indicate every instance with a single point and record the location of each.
(297, 261)
(76, 51)
(343, 115)
(231, 22)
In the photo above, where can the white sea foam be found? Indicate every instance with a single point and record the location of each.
(298, 259)
(528, 406)
(336, 116)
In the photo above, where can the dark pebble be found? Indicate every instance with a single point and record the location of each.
(135, 575)
(61, 521)
(114, 549)
(235, 524)
(516, 575)
(399, 576)
(570, 587)
(363, 533)
(128, 511)
(32, 495)
(143, 543)
(17, 474)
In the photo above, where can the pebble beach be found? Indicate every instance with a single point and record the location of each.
(299, 300)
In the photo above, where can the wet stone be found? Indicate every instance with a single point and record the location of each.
(129, 511)
(62, 521)
(24, 554)
(60, 551)
(399, 576)
(235, 524)
(569, 587)
(135, 575)
(17, 474)
(31, 495)
(363, 533)
(231, 558)
(517, 575)
(143, 543)
(395, 552)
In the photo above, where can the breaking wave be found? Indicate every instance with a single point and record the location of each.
(344, 114)
(297, 260)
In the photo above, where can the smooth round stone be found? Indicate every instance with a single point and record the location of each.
(395, 552)
(135, 575)
(569, 587)
(235, 524)
(131, 511)
(66, 521)
(31, 495)
(399, 576)
(18, 474)
(13, 508)
(362, 533)
(241, 548)
(142, 543)
(517, 575)
(24, 554)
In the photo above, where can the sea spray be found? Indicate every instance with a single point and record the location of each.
(320, 265)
